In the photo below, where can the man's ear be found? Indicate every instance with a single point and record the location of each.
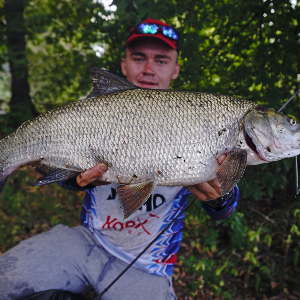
(123, 66)
(176, 71)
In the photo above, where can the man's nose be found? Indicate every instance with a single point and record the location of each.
(148, 68)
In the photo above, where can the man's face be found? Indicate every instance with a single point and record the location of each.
(150, 63)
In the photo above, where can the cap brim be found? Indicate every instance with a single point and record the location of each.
(135, 36)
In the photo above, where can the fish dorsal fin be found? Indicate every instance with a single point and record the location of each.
(105, 82)
(132, 196)
(231, 170)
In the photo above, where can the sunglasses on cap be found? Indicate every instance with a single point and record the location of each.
(149, 28)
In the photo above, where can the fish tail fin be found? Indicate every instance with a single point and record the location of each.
(4, 157)
(3, 174)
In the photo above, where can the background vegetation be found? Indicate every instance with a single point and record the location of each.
(243, 48)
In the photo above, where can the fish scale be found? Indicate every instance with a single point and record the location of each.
(146, 137)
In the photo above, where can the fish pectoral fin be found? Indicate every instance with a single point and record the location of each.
(231, 170)
(132, 196)
(53, 174)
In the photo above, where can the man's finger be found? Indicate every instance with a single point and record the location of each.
(205, 191)
(90, 175)
(208, 190)
(193, 189)
(215, 185)
(221, 158)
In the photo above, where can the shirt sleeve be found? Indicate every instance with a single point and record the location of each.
(230, 203)
(72, 185)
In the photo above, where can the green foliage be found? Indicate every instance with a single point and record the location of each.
(254, 254)
(26, 210)
(59, 49)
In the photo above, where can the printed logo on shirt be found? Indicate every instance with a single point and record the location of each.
(153, 202)
(137, 226)
(113, 194)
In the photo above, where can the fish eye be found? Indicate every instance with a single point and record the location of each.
(293, 121)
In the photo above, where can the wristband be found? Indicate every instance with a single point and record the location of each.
(222, 201)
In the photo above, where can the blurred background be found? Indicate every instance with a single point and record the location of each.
(249, 49)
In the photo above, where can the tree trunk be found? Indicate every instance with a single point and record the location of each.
(20, 104)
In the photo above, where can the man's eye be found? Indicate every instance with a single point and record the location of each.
(138, 59)
(161, 62)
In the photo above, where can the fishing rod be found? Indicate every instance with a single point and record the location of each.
(287, 102)
(295, 173)
(148, 246)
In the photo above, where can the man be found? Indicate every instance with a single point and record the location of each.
(91, 256)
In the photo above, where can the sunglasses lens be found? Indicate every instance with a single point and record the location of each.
(170, 32)
(148, 28)
(167, 31)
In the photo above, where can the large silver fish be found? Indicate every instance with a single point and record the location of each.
(148, 138)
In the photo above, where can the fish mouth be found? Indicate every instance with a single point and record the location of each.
(251, 144)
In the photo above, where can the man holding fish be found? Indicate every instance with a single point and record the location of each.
(88, 257)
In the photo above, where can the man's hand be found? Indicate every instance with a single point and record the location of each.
(207, 190)
(92, 175)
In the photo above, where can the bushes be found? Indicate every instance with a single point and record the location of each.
(254, 254)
